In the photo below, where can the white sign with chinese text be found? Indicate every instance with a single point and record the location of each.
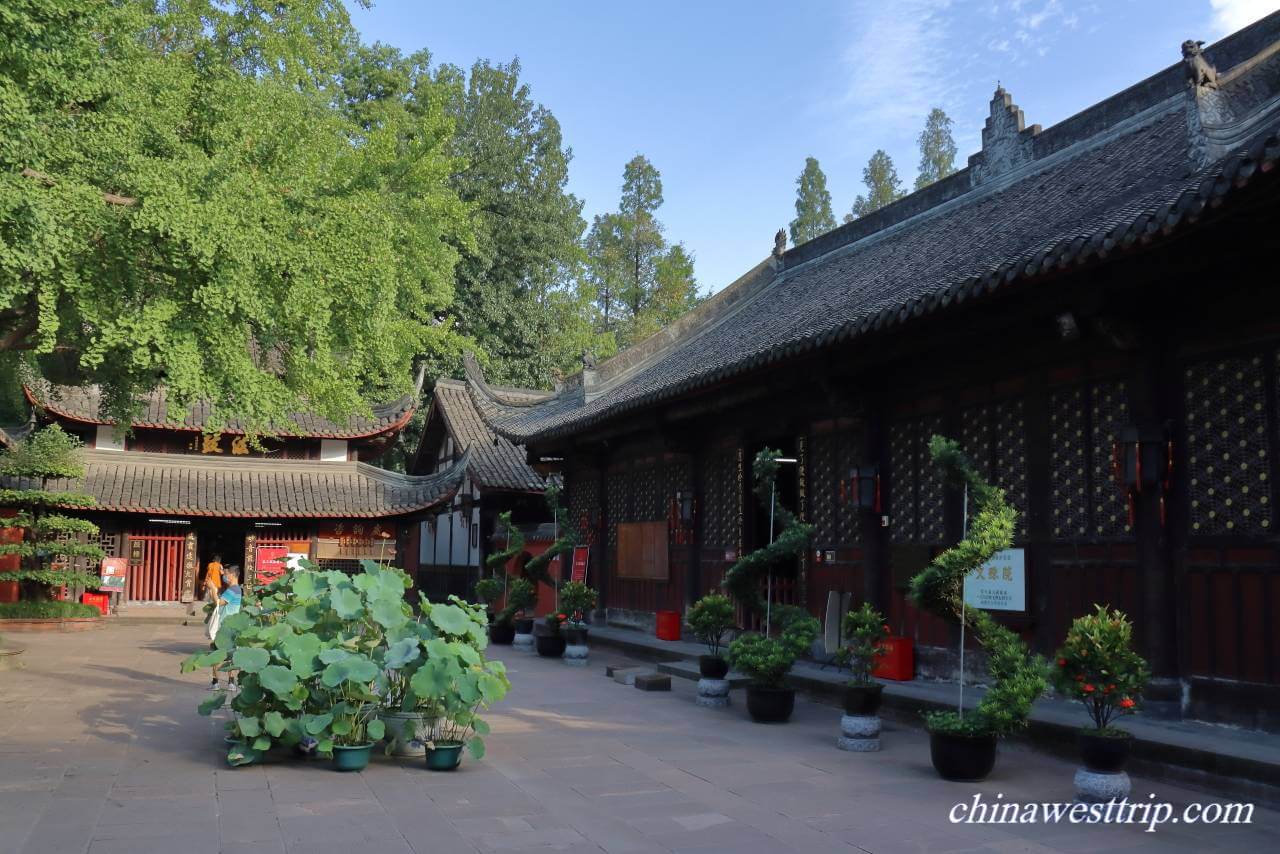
(1000, 584)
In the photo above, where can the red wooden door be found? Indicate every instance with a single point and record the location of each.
(155, 566)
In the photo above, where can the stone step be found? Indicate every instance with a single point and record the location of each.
(653, 682)
(689, 670)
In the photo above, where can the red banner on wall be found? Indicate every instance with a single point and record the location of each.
(581, 556)
(271, 563)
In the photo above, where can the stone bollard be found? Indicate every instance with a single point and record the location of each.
(713, 693)
(859, 733)
(575, 654)
(523, 642)
(1097, 787)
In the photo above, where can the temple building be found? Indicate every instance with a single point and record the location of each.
(453, 543)
(1090, 308)
(171, 495)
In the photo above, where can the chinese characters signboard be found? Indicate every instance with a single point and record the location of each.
(1000, 584)
(580, 556)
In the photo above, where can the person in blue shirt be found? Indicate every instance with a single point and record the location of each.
(229, 601)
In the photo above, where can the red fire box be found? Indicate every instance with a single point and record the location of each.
(101, 601)
(668, 625)
(898, 662)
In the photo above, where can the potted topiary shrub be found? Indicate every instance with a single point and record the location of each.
(489, 591)
(963, 745)
(863, 630)
(767, 660)
(1097, 666)
(521, 595)
(710, 619)
(576, 600)
(551, 640)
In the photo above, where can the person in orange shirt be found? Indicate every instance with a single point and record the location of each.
(213, 579)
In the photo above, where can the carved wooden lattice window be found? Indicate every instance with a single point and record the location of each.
(677, 477)
(1069, 446)
(917, 496)
(618, 489)
(823, 498)
(583, 486)
(994, 437)
(1227, 447)
(1108, 413)
(719, 484)
(1084, 422)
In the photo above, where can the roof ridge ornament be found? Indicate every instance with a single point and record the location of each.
(1007, 143)
(780, 243)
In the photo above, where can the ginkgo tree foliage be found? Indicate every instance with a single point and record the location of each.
(185, 201)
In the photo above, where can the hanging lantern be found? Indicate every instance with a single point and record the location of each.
(1142, 461)
(862, 489)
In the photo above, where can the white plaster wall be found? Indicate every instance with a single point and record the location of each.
(333, 450)
(105, 438)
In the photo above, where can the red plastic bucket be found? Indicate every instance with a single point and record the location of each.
(668, 625)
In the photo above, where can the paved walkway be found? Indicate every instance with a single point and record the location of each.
(101, 751)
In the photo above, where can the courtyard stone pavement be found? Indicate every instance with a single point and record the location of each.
(101, 751)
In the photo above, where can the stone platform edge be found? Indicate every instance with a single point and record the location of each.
(1222, 774)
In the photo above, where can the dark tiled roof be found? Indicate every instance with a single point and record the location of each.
(83, 404)
(1131, 179)
(182, 485)
(495, 462)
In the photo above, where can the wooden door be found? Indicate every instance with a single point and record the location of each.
(155, 566)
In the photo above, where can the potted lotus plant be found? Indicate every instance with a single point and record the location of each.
(767, 660)
(1097, 666)
(864, 629)
(710, 619)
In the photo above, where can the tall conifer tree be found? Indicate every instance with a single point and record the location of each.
(813, 204)
(937, 149)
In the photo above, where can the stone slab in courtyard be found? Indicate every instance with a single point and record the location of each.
(101, 751)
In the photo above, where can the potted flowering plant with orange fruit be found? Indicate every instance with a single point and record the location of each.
(1097, 666)
(551, 641)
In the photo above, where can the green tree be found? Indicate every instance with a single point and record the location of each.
(937, 149)
(52, 544)
(883, 186)
(638, 282)
(182, 203)
(813, 204)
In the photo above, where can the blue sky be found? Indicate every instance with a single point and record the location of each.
(728, 98)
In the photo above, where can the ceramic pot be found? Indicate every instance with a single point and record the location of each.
(962, 758)
(550, 646)
(770, 705)
(351, 757)
(444, 757)
(404, 733)
(862, 700)
(1104, 754)
(712, 667)
(502, 634)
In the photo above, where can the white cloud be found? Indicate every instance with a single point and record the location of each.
(898, 64)
(1231, 15)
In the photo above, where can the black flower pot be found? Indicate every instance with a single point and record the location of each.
(550, 646)
(712, 667)
(1104, 754)
(962, 758)
(862, 700)
(577, 637)
(524, 625)
(502, 633)
(770, 705)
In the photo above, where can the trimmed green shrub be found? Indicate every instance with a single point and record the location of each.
(1017, 676)
(576, 599)
(768, 660)
(37, 609)
(710, 618)
(863, 630)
